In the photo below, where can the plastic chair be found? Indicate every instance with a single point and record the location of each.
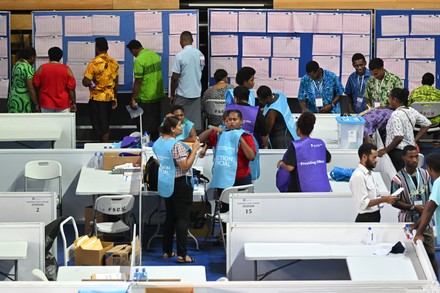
(44, 170)
(214, 108)
(68, 250)
(429, 110)
(39, 275)
(112, 205)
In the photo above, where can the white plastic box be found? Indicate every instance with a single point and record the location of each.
(350, 131)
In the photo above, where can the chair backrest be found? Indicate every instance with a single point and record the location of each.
(43, 170)
(114, 204)
(215, 107)
(421, 160)
(39, 275)
(427, 109)
(224, 197)
(68, 250)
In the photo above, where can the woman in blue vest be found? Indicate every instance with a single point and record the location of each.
(279, 119)
(189, 133)
(175, 185)
(306, 159)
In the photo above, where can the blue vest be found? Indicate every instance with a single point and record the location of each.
(282, 107)
(162, 148)
(186, 129)
(311, 165)
(229, 97)
(249, 114)
(225, 159)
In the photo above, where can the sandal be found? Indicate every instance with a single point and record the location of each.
(186, 259)
(167, 255)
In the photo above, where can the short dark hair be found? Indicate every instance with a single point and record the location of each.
(400, 94)
(312, 66)
(26, 53)
(134, 45)
(264, 92)
(55, 54)
(177, 107)
(236, 111)
(219, 74)
(244, 74)
(187, 36)
(358, 56)
(375, 63)
(433, 162)
(167, 124)
(428, 78)
(101, 44)
(365, 149)
(241, 93)
(407, 149)
(306, 122)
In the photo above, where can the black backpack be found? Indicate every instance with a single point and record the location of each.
(151, 174)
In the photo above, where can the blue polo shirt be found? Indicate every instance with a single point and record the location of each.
(355, 88)
(189, 63)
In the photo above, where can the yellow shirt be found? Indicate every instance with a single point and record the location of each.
(103, 70)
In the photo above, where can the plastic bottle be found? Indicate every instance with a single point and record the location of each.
(136, 275)
(96, 160)
(145, 139)
(196, 183)
(369, 236)
(144, 275)
(101, 161)
(408, 232)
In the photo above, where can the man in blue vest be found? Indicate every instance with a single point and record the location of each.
(244, 77)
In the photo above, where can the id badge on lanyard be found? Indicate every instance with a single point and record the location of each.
(318, 100)
(376, 104)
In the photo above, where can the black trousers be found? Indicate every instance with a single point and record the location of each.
(368, 217)
(177, 216)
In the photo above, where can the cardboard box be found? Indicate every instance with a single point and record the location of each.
(118, 256)
(85, 257)
(112, 159)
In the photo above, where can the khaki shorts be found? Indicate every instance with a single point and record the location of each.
(429, 242)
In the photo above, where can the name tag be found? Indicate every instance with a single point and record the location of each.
(318, 101)
(418, 202)
(360, 100)
(376, 104)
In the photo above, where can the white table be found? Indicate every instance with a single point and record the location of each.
(20, 134)
(344, 186)
(360, 252)
(14, 250)
(78, 273)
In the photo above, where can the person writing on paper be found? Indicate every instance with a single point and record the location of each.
(101, 77)
(22, 95)
(56, 84)
(319, 90)
(175, 185)
(416, 185)
(188, 130)
(356, 84)
(148, 89)
(364, 189)
(244, 77)
(400, 127)
(305, 160)
(280, 121)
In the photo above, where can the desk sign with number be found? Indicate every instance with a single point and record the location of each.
(246, 209)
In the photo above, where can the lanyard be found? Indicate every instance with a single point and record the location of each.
(318, 89)
(360, 84)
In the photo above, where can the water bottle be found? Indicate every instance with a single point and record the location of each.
(369, 236)
(145, 139)
(196, 183)
(408, 232)
(144, 275)
(136, 275)
(96, 161)
(101, 161)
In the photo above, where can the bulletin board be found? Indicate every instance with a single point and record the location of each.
(75, 33)
(5, 53)
(279, 43)
(409, 43)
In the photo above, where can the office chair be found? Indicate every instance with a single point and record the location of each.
(429, 110)
(214, 108)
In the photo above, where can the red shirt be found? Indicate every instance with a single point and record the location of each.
(54, 82)
(243, 168)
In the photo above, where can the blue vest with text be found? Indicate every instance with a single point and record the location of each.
(225, 160)
(229, 97)
(186, 129)
(283, 108)
(311, 164)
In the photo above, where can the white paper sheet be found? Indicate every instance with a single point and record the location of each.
(304, 22)
(180, 22)
(275, 84)
(222, 45)
(396, 66)
(252, 21)
(356, 23)
(261, 66)
(152, 41)
(3, 25)
(4, 68)
(390, 48)
(425, 24)
(329, 23)
(395, 25)
(291, 87)
(78, 26)
(224, 21)
(82, 93)
(420, 48)
(174, 44)
(40, 61)
(78, 69)
(227, 63)
(43, 44)
(257, 46)
(331, 63)
(326, 45)
(352, 44)
(116, 49)
(170, 65)
(121, 76)
(148, 21)
(413, 84)
(48, 25)
(417, 68)
(344, 79)
(286, 47)
(107, 25)
(285, 67)
(280, 22)
(80, 51)
(4, 87)
(3, 47)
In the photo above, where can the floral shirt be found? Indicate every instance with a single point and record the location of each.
(378, 90)
(103, 71)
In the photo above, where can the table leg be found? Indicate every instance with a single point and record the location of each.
(16, 270)
(156, 234)
(255, 271)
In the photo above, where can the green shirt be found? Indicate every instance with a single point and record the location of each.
(426, 93)
(148, 67)
(378, 90)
